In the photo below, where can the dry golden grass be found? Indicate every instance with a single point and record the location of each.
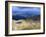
(25, 25)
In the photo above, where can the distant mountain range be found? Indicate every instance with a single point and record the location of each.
(18, 17)
(25, 12)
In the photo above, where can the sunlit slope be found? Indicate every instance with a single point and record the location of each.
(25, 25)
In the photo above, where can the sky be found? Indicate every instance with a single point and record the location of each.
(25, 11)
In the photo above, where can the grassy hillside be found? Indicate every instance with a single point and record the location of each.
(25, 25)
